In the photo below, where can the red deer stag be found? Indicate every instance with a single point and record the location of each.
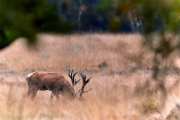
(56, 83)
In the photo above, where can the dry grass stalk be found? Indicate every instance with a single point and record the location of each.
(128, 65)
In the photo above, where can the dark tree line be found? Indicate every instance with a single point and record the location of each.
(113, 15)
(97, 15)
(27, 18)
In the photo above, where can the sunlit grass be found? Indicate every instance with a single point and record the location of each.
(118, 64)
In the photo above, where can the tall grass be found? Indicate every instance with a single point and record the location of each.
(118, 65)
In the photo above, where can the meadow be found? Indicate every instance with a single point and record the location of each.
(119, 65)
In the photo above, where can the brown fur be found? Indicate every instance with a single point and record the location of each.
(52, 81)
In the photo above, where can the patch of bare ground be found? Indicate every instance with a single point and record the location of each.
(118, 64)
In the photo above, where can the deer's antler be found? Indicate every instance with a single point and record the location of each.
(72, 76)
(83, 76)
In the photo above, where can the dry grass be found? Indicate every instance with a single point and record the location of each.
(118, 64)
(86, 51)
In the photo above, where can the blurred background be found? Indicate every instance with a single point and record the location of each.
(26, 18)
(129, 47)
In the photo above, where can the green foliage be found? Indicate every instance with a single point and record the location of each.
(162, 16)
(161, 25)
(168, 11)
(150, 104)
(114, 24)
(26, 18)
(105, 5)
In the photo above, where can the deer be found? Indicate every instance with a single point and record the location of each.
(56, 83)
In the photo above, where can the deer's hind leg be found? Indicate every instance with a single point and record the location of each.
(52, 96)
(55, 93)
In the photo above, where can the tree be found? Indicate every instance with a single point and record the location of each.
(26, 18)
(160, 18)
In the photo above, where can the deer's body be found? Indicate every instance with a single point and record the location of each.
(52, 81)
(56, 83)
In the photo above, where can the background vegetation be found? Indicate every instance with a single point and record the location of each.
(28, 18)
(157, 25)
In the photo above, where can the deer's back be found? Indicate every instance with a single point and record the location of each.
(46, 80)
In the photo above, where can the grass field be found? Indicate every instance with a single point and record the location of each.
(118, 63)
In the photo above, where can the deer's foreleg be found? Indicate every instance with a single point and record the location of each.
(32, 91)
